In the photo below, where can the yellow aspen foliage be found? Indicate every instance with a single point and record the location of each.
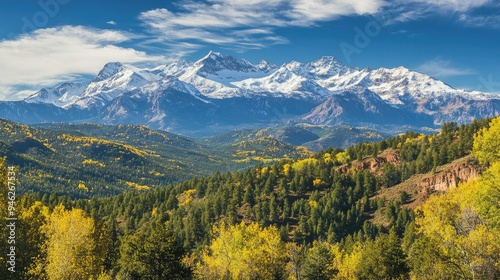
(243, 252)
(301, 164)
(154, 212)
(186, 197)
(342, 157)
(74, 245)
(486, 195)
(32, 219)
(327, 157)
(313, 204)
(460, 231)
(318, 183)
(487, 143)
(137, 186)
(81, 185)
(286, 169)
(348, 264)
(264, 171)
(93, 162)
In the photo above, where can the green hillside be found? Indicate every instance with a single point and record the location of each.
(367, 212)
(313, 137)
(337, 214)
(85, 160)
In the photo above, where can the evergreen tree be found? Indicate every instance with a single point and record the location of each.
(154, 255)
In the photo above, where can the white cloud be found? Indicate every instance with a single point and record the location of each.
(48, 56)
(410, 10)
(442, 68)
(250, 24)
(488, 21)
(111, 22)
(247, 23)
(455, 5)
(307, 12)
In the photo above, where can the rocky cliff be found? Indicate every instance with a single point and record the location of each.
(450, 175)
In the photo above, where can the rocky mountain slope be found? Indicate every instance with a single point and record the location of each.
(220, 93)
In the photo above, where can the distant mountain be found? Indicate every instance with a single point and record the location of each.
(214, 75)
(220, 93)
(28, 112)
(359, 106)
(313, 137)
(166, 104)
(60, 95)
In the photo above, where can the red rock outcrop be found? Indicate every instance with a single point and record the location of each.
(450, 175)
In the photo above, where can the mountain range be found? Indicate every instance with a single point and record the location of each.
(219, 93)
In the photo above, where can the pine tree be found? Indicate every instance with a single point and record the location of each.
(155, 255)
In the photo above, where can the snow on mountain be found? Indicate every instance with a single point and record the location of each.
(360, 106)
(289, 80)
(398, 86)
(171, 83)
(164, 104)
(393, 85)
(113, 80)
(215, 62)
(215, 75)
(326, 66)
(219, 92)
(265, 66)
(59, 96)
(176, 68)
(297, 79)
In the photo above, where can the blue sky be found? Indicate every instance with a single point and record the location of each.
(45, 42)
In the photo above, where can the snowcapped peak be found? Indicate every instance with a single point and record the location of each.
(402, 70)
(293, 66)
(214, 62)
(175, 68)
(109, 70)
(213, 55)
(326, 66)
(266, 66)
(326, 60)
(59, 95)
(171, 85)
(210, 57)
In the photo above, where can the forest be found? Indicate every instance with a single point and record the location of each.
(330, 215)
(93, 160)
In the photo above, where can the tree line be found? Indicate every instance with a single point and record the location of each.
(295, 219)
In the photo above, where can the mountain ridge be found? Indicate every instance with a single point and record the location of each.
(220, 93)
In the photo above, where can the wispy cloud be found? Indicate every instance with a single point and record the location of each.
(455, 5)
(399, 11)
(247, 23)
(487, 21)
(250, 24)
(48, 56)
(308, 12)
(111, 22)
(442, 68)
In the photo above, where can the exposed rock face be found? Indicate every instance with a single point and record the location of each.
(445, 177)
(450, 175)
(373, 164)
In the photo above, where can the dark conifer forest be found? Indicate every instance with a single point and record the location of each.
(366, 212)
